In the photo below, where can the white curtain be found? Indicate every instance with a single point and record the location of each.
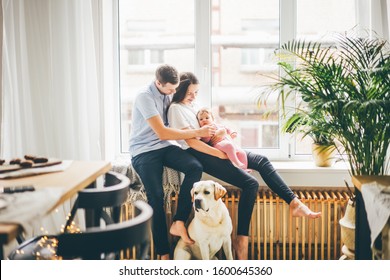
(51, 101)
(373, 15)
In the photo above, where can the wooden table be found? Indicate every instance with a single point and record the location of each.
(362, 231)
(79, 175)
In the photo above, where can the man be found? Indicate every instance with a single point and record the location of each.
(151, 150)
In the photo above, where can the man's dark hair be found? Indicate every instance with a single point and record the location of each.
(167, 74)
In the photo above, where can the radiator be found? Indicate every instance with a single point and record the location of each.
(274, 234)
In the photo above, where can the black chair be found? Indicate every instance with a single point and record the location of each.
(112, 239)
(93, 244)
(100, 205)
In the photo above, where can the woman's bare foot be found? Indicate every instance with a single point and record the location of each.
(240, 246)
(179, 229)
(298, 209)
(164, 257)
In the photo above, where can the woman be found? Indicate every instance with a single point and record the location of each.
(182, 115)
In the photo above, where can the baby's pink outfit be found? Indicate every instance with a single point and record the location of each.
(235, 154)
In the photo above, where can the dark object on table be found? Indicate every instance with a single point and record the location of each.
(26, 163)
(29, 157)
(17, 189)
(15, 161)
(40, 160)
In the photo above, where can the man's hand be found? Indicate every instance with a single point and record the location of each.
(207, 131)
(220, 134)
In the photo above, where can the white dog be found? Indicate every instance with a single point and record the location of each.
(211, 227)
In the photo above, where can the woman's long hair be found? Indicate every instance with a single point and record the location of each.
(186, 79)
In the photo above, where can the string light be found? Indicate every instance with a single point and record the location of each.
(46, 247)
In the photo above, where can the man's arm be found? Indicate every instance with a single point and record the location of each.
(167, 133)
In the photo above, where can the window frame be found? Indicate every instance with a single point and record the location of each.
(202, 68)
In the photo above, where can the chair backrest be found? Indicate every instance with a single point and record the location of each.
(114, 192)
(93, 200)
(93, 244)
(96, 241)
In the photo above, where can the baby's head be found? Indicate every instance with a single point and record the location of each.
(205, 116)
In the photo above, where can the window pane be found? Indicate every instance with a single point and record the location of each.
(135, 57)
(317, 20)
(249, 136)
(269, 129)
(151, 33)
(244, 36)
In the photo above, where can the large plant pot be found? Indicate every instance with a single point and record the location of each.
(347, 224)
(324, 156)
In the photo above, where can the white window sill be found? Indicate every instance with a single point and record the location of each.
(306, 174)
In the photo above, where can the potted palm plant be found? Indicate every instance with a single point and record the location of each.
(311, 123)
(347, 84)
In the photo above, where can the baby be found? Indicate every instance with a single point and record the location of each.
(236, 155)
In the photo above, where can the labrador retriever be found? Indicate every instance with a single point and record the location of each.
(211, 227)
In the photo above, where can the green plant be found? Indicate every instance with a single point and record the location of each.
(348, 85)
(309, 123)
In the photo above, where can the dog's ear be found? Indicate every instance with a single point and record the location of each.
(219, 191)
(192, 192)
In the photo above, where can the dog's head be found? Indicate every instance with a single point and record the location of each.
(205, 194)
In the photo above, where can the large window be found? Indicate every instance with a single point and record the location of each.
(317, 20)
(244, 35)
(151, 33)
(229, 45)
